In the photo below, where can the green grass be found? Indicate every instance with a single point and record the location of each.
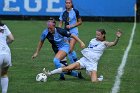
(24, 70)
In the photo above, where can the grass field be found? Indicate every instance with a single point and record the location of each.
(24, 70)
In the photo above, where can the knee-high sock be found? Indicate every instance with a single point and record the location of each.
(4, 84)
(56, 71)
(58, 65)
(57, 62)
(72, 57)
(72, 73)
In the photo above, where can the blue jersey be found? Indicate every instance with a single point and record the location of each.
(57, 39)
(70, 18)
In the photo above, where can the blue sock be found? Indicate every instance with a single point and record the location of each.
(58, 65)
(74, 73)
(70, 58)
(57, 62)
(74, 56)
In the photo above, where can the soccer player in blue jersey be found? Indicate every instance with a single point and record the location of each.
(55, 36)
(71, 19)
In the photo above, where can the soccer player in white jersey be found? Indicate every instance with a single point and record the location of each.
(91, 56)
(6, 38)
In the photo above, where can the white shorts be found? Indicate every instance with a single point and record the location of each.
(87, 64)
(5, 60)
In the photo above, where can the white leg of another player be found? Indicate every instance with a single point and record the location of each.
(4, 84)
(56, 71)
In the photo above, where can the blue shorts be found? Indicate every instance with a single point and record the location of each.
(74, 31)
(65, 47)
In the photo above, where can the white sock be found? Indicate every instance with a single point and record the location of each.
(101, 78)
(4, 84)
(56, 71)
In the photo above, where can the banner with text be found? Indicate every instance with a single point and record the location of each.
(116, 8)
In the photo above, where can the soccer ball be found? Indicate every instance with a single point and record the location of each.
(41, 77)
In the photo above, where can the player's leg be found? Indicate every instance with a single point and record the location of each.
(4, 79)
(64, 69)
(72, 54)
(73, 58)
(73, 66)
(59, 56)
(94, 76)
(72, 73)
(6, 62)
(63, 62)
(66, 48)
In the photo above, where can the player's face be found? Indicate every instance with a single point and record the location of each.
(51, 26)
(51, 29)
(99, 36)
(68, 4)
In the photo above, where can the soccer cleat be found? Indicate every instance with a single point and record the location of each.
(62, 78)
(47, 73)
(101, 78)
(80, 75)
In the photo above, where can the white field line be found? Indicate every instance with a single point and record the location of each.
(116, 86)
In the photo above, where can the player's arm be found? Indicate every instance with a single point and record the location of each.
(79, 40)
(40, 44)
(61, 20)
(66, 33)
(118, 35)
(10, 38)
(79, 22)
(60, 24)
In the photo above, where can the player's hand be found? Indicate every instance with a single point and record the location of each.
(82, 45)
(34, 55)
(68, 26)
(118, 33)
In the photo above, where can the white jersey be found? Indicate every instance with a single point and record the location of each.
(4, 48)
(94, 50)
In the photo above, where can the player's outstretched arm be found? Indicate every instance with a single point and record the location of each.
(40, 44)
(118, 35)
(82, 45)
